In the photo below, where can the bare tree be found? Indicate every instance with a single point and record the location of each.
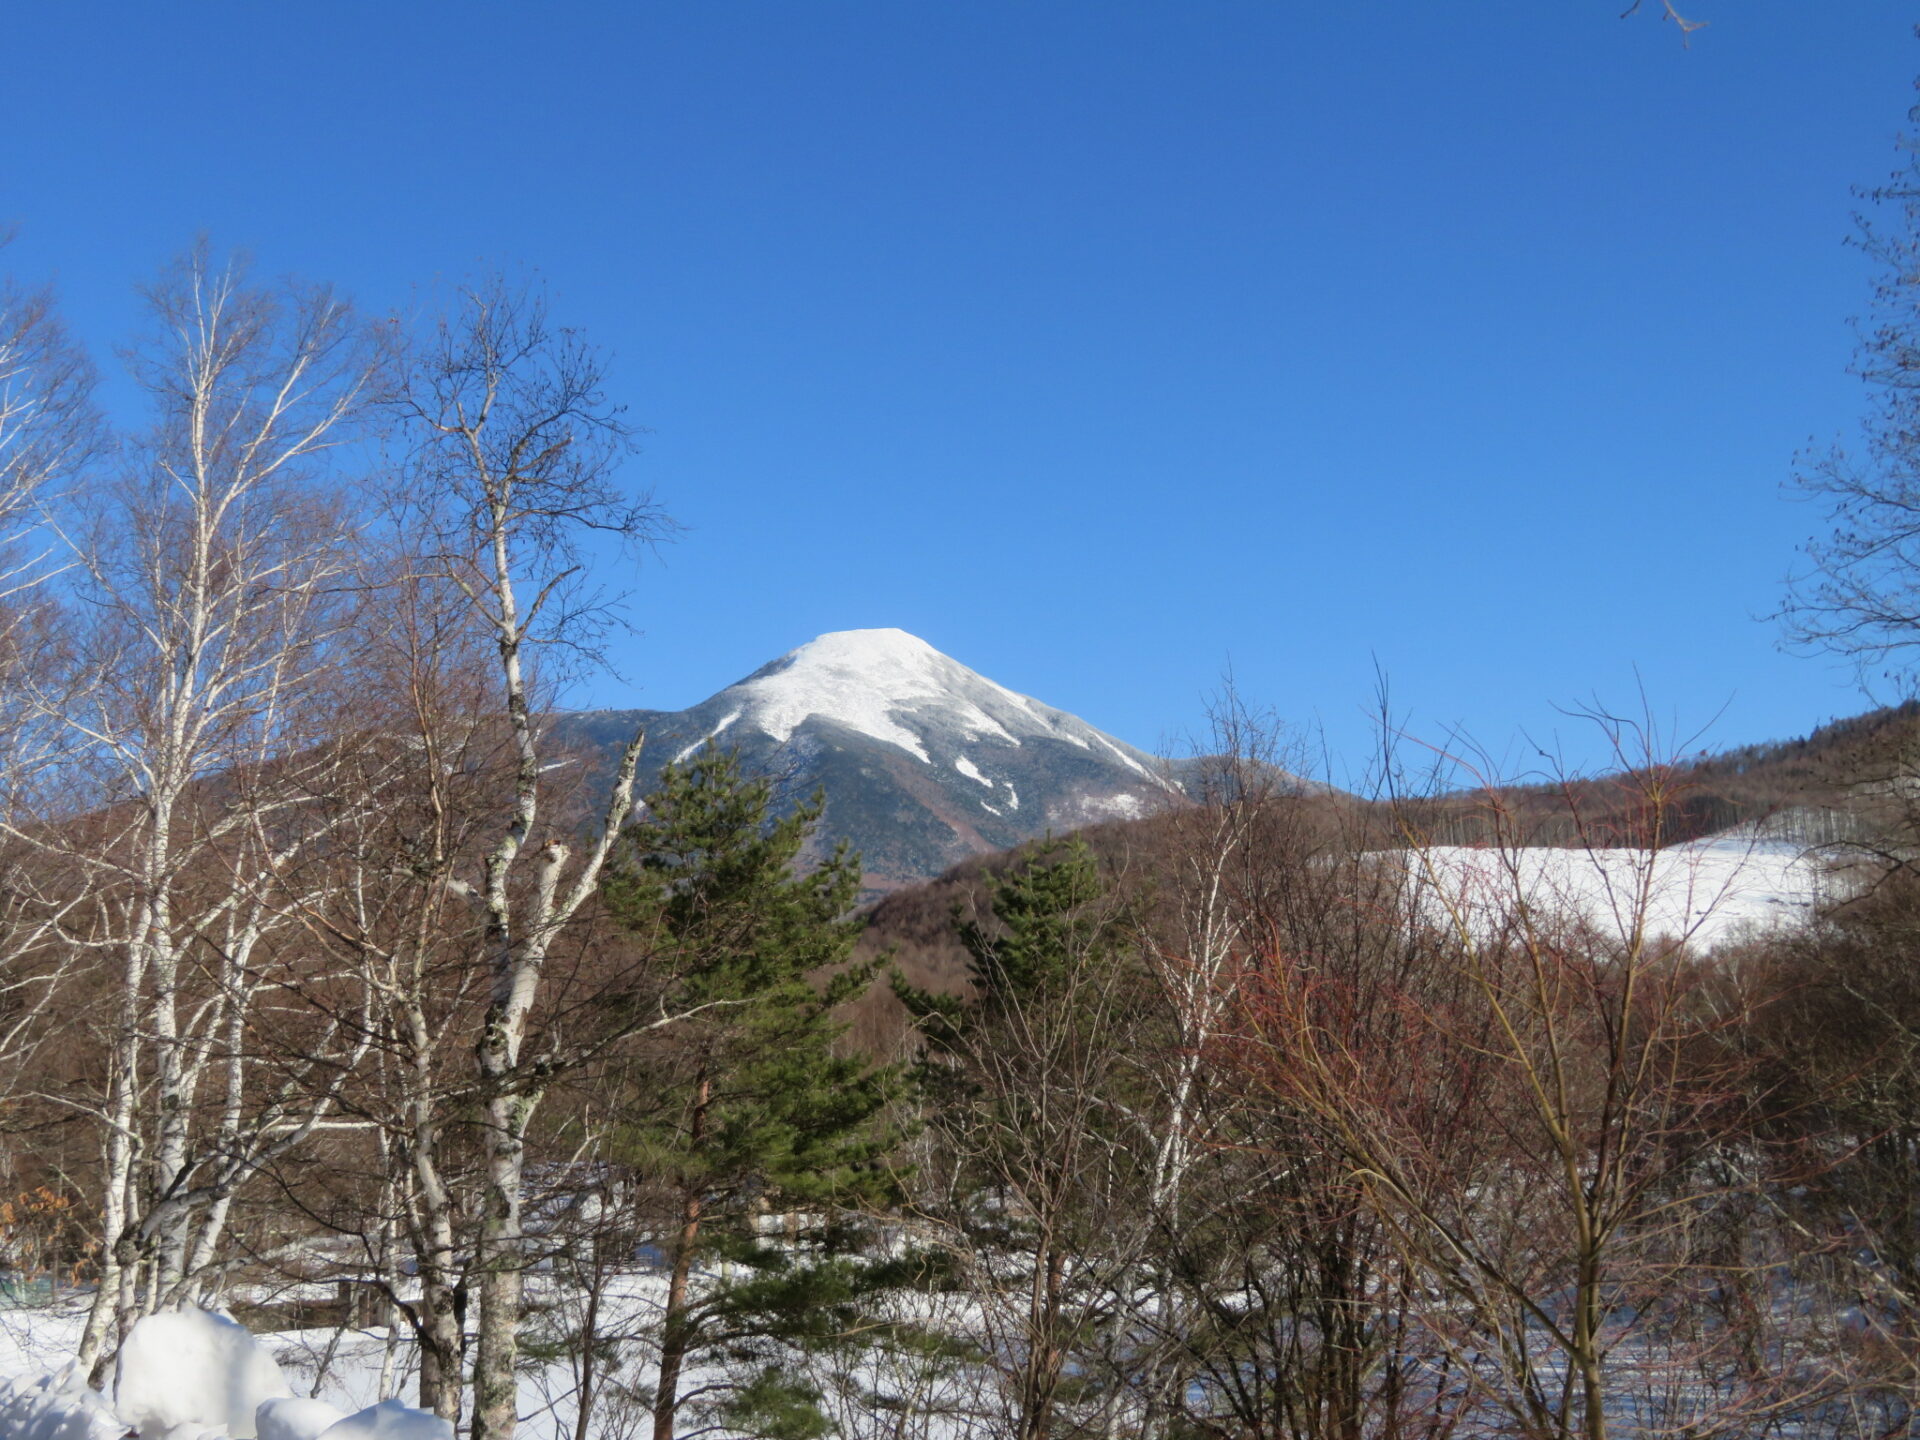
(1216, 856)
(1269, 1300)
(1538, 1101)
(1039, 1169)
(390, 900)
(1858, 594)
(48, 429)
(1215, 900)
(517, 445)
(202, 577)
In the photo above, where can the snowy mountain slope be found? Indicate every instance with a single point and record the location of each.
(923, 761)
(889, 686)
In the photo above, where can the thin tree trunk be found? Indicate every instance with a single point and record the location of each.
(441, 1328)
(496, 1381)
(206, 1245)
(95, 1353)
(1045, 1354)
(1586, 1345)
(589, 1330)
(676, 1335)
(389, 1262)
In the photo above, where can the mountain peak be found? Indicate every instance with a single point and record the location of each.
(922, 760)
(878, 653)
(892, 686)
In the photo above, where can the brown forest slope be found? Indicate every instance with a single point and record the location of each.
(1816, 788)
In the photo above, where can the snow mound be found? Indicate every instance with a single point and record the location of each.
(292, 1418)
(184, 1371)
(389, 1420)
(55, 1407)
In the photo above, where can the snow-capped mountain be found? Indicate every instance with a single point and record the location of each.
(923, 761)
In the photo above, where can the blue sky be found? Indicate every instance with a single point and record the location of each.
(1102, 344)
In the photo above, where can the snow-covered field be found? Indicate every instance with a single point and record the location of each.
(331, 1374)
(340, 1369)
(1710, 893)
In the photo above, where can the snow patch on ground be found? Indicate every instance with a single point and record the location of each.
(190, 1375)
(1125, 807)
(1710, 892)
(390, 1420)
(55, 1407)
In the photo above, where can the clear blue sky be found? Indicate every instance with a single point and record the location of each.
(1100, 343)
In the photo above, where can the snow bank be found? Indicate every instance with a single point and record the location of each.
(390, 1420)
(292, 1418)
(55, 1407)
(187, 1370)
(192, 1375)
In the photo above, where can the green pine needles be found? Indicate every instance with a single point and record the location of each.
(766, 1146)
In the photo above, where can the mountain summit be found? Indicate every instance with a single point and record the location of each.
(923, 761)
(895, 688)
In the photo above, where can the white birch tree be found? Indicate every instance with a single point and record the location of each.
(205, 571)
(518, 446)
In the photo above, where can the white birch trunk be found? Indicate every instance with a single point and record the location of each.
(205, 573)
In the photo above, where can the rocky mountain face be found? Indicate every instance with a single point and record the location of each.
(923, 761)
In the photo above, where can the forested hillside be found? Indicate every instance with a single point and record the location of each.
(1846, 781)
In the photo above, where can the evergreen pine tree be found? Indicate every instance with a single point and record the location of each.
(749, 1111)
